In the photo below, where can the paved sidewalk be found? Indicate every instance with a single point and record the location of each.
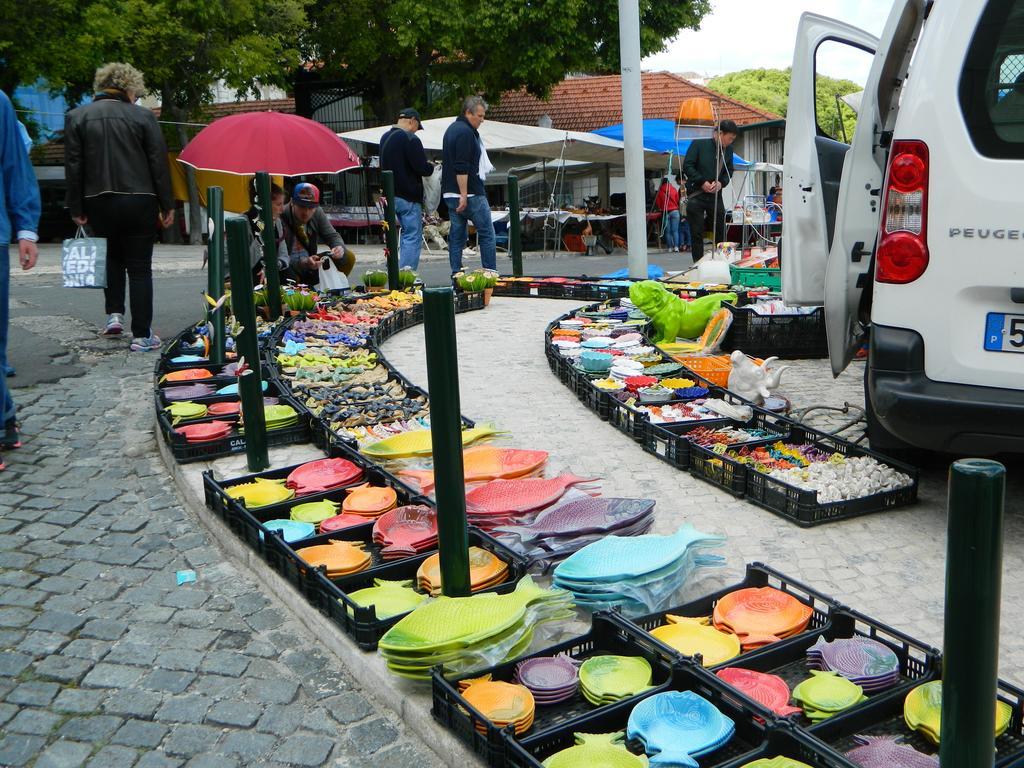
(103, 660)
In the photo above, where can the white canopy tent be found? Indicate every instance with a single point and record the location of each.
(525, 140)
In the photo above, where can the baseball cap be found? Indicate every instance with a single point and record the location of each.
(306, 195)
(412, 114)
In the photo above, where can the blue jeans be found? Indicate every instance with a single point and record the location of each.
(670, 229)
(479, 212)
(410, 223)
(6, 402)
(684, 233)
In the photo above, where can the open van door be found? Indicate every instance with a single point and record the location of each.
(812, 165)
(858, 211)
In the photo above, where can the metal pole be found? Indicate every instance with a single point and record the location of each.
(446, 437)
(273, 279)
(633, 136)
(215, 270)
(246, 343)
(515, 242)
(392, 230)
(974, 561)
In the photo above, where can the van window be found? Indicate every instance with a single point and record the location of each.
(992, 81)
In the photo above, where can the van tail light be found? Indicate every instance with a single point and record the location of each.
(902, 254)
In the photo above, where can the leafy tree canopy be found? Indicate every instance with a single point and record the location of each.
(401, 52)
(769, 89)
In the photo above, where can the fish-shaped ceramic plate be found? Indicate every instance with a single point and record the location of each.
(826, 693)
(856, 657)
(205, 431)
(776, 762)
(341, 522)
(591, 514)
(418, 443)
(186, 392)
(486, 462)
(676, 726)
(290, 530)
(388, 598)
(260, 492)
(339, 557)
(453, 622)
(188, 374)
(186, 409)
(596, 749)
(770, 691)
(409, 527)
(323, 474)
(369, 500)
(519, 495)
(618, 557)
(314, 511)
(225, 409)
(886, 752)
(502, 703)
(760, 615)
(615, 677)
(922, 711)
(485, 569)
(693, 636)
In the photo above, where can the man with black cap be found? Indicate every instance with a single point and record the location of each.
(708, 168)
(402, 153)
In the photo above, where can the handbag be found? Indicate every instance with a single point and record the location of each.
(84, 261)
(331, 278)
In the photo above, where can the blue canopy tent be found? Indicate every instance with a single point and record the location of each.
(660, 136)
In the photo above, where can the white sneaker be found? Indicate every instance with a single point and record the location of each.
(115, 325)
(469, 251)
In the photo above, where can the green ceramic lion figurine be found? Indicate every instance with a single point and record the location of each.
(671, 316)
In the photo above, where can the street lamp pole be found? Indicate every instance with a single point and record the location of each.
(633, 136)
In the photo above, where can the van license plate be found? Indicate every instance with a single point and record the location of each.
(1004, 333)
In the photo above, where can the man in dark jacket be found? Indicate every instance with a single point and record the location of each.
(305, 227)
(708, 168)
(401, 152)
(115, 162)
(464, 168)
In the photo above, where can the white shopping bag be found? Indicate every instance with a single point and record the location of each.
(84, 261)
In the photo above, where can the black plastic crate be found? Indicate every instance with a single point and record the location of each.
(529, 751)
(274, 389)
(786, 336)
(791, 743)
(670, 443)
(801, 506)
(185, 452)
(757, 575)
(608, 635)
(361, 623)
(627, 420)
(597, 400)
(885, 718)
(919, 662)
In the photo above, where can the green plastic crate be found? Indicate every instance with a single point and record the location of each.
(753, 277)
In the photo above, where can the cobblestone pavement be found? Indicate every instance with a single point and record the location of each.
(103, 660)
(890, 565)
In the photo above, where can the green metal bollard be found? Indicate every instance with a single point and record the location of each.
(974, 561)
(446, 437)
(273, 279)
(515, 243)
(215, 270)
(246, 343)
(390, 218)
(254, 418)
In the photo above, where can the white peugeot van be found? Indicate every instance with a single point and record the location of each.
(914, 233)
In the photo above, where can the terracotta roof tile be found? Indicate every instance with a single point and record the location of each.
(585, 103)
(214, 111)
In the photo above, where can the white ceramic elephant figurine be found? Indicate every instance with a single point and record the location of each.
(751, 381)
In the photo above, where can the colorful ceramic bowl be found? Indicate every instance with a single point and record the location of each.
(596, 362)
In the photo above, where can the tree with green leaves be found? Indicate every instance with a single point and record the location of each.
(769, 89)
(406, 52)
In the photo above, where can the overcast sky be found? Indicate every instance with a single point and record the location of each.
(748, 34)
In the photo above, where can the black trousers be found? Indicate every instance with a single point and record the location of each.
(129, 223)
(702, 216)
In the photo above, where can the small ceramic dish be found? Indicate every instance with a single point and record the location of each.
(656, 394)
(596, 362)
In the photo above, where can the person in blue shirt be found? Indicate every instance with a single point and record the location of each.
(19, 215)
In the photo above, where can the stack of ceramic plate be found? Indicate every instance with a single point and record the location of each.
(868, 663)
(504, 704)
(205, 431)
(315, 512)
(322, 475)
(781, 761)
(607, 679)
(485, 570)
(638, 574)
(504, 502)
(369, 501)
(623, 368)
(340, 522)
(825, 694)
(340, 558)
(260, 492)
(551, 679)
(697, 636)
(388, 598)
(596, 749)
(290, 530)
(887, 752)
(186, 392)
(770, 691)
(463, 633)
(761, 615)
(576, 520)
(188, 374)
(186, 409)
(280, 416)
(406, 531)
(678, 726)
(922, 711)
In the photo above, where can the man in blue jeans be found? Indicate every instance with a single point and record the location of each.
(465, 166)
(19, 213)
(401, 152)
